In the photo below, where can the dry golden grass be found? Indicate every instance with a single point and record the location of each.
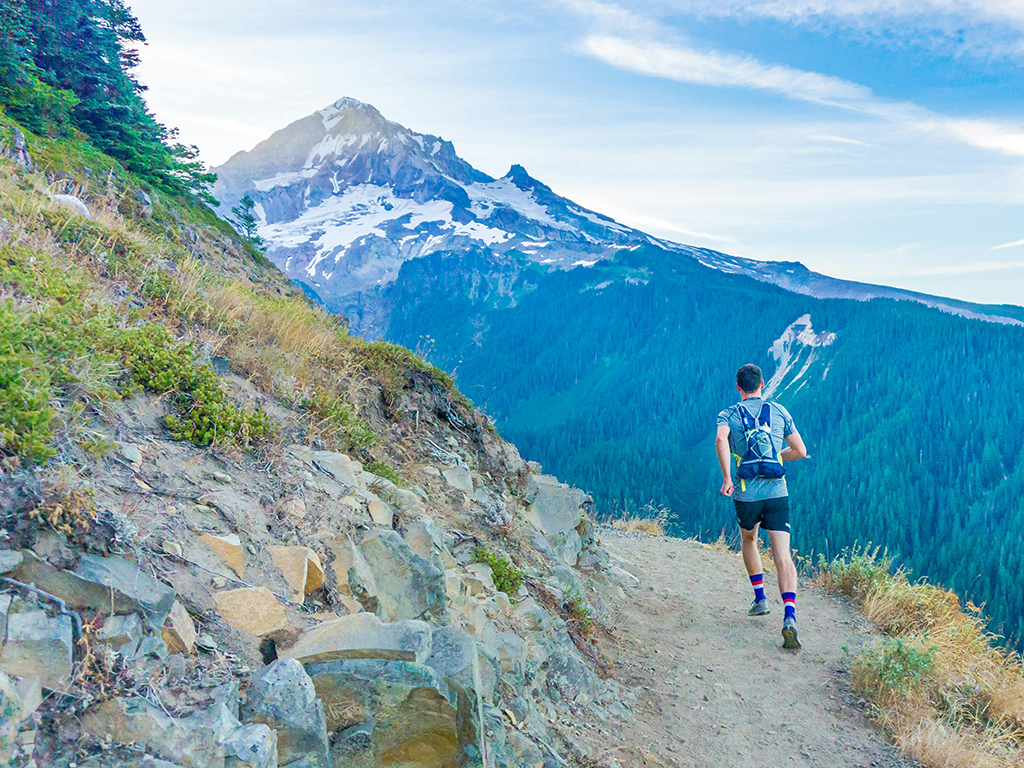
(940, 684)
(650, 519)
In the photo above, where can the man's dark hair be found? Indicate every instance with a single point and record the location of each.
(749, 378)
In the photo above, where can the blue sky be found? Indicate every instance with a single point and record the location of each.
(875, 140)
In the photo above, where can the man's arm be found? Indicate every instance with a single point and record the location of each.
(796, 449)
(724, 459)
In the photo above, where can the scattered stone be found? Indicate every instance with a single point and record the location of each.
(252, 609)
(73, 204)
(408, 587)
(293, 508)
(179, 632)
(284, 699)
(176, 666)
(205, 642)
(228, 548)
(144, 201)
(10, 560)
(459, 478)
(417, 705)
(221, 477)
(172, 548)
(362, 636)
(131, 453)
(39, 645)
(243, 512)
(381, 514)
(118, 630)
(480, 580)
(301, 567)
(20, 154)
(554, 506)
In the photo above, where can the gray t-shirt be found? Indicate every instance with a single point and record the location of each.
(758, 488)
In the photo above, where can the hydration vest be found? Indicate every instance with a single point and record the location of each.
(761, 458)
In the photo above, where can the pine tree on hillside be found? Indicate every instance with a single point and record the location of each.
(245, 222)
(71, 61)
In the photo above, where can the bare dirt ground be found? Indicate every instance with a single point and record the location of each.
(717, 688)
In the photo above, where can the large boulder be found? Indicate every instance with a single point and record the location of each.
(252, 609)
(362, 636)
(425, 540)
(554, 507)
(38, 645)
(407, 712)
(212, 738)
(104, 584)
(284, 698)
(408, 587)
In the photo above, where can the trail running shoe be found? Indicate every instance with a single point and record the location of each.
(789, 638)
(759, 608)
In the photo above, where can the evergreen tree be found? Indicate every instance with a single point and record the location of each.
(246, 223)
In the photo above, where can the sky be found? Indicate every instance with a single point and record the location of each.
(872, 140)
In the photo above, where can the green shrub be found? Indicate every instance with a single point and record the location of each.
(206, 414)
(896, 666)
(382, 469)
(337, 419)
(26, 418)
(507, 578)
(579, 614)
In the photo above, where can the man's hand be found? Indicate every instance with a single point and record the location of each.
(727, 488)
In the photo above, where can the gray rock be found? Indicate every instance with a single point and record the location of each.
(39, 645)
(131, 453)
(408, 587)
(452, 657)
(10, 560)
(417, 706)
(144, 201)
(20, 153)
(459, 478)
(362, 636)
(554, 507)
(425, 540)
(567, 546)
(124, 579)
(242, 511)
(511, 651)
(250, 746)
(118, 630)
(284, 699)
(73, 204)
(150, 646)
(353, 747)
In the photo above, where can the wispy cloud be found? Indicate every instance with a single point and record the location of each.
(1014, 244)
(963, 269)
(984, 28)
(686, 64)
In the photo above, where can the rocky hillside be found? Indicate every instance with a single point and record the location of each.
(233, 535)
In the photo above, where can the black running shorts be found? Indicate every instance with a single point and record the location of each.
(772, 514)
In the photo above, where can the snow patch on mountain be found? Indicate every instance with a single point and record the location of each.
(799, 345)
(490, 197)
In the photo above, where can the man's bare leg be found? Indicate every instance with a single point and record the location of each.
(787, 586)
(783, 561)
(751, 554)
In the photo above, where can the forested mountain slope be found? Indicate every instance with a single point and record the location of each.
(612, 377)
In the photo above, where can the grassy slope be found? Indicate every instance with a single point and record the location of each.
(94, 309)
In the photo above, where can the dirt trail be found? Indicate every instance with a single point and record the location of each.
(718, 688)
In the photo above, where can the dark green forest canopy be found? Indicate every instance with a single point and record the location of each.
(69, 63)
(612, 377)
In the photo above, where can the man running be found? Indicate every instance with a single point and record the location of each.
(762, 499)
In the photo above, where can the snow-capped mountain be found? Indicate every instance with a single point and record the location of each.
(344, 197)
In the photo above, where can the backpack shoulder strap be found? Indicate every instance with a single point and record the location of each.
(766, 414)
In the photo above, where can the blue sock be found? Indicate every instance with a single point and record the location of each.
(757, 582)
(789, 599)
